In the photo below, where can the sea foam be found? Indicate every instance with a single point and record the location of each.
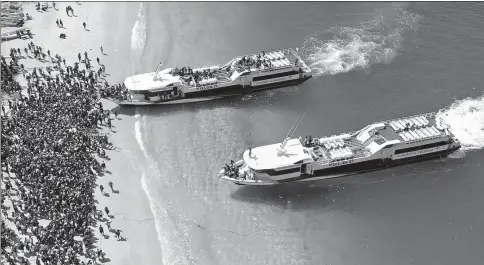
(139, 31)
(466, 120)
(169, 241)
(139, 139)
(343, 49)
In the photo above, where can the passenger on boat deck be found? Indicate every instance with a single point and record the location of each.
(308, 141)
(247, 62)
(231, 170)
(187, 74)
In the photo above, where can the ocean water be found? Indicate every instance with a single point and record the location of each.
(372, 61)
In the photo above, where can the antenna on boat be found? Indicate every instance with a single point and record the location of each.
(157, 71)
(293, 129)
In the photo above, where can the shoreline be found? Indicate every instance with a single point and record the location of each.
(130, 209)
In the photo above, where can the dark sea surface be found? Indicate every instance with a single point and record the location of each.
(372, 61)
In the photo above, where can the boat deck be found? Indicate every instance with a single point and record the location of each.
(406, 130)
(269, 157)
(413, 128)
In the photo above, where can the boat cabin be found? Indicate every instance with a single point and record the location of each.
(272, 160)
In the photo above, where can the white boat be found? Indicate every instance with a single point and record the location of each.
(242, 75)
(377, 146)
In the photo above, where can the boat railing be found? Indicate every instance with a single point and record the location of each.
(424, 139)
(272, 68)
(326, 161)
(426, 115)
(296, 54)
(286, 51)
(207, 85)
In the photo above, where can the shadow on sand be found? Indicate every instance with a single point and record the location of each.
(104, 260)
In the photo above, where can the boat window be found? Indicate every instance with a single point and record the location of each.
(415, 148)
(141, 92)
(274, 172)
(244, 74)
(259, 78)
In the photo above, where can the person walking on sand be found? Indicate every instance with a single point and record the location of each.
(107, 211)
(102, 189)
(118, 233)
(79, 56)
(97, 59)
(102, 51)
(61, 24)
(101, 230)
(111, 185)
(84, 24)
(57, 22)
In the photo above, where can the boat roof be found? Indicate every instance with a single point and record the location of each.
(423, 126)
(268, 157)
(151, 81)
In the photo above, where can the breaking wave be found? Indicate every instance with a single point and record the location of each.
(165, 227)
(144, 185)
(139, 31)
(343, 49)
(466, 120)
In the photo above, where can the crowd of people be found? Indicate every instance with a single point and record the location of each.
(231, 170)
(8, 72)
(50, 151)
(187, 74)
(117, 92)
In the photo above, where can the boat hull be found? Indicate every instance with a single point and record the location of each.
(222, 92)
(347, 170)
(173, 102)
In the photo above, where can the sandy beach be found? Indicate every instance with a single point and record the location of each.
(108, 25)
